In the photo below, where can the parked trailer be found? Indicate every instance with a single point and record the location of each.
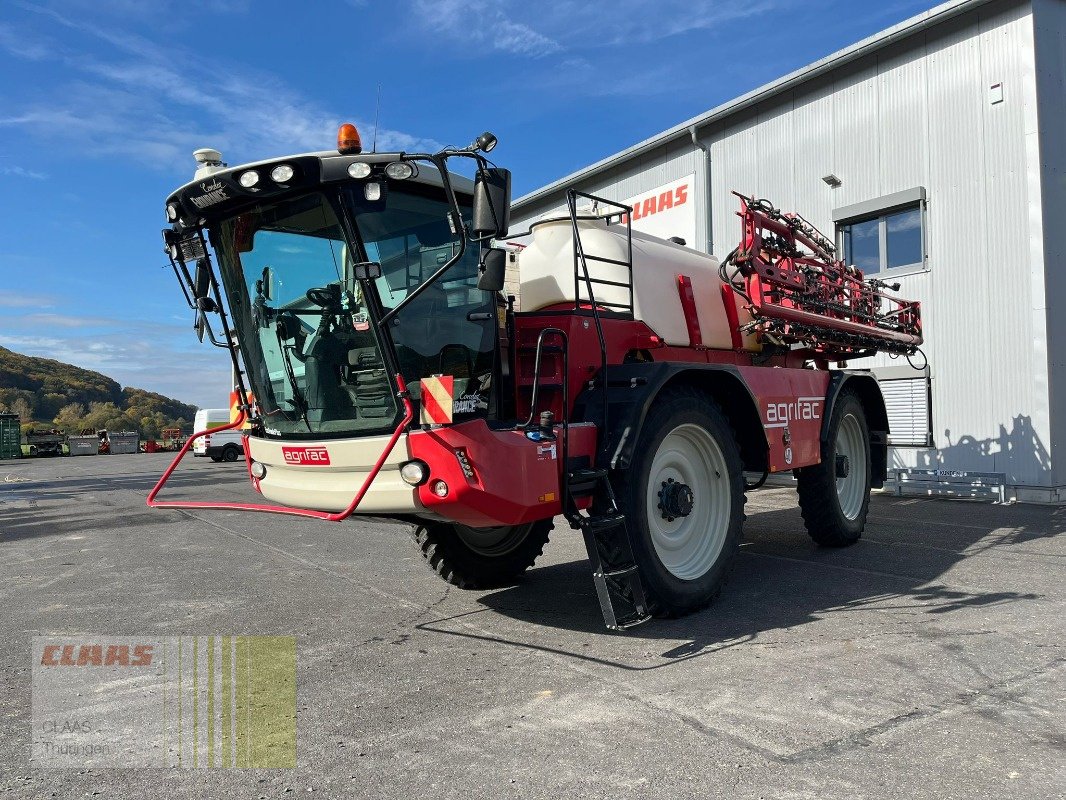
(44, 443)
(638, 384)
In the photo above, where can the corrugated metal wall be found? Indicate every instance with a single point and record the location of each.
(918, 113)
(1047, 146)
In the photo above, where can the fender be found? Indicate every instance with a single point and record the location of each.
(865, 385)
(632, 388)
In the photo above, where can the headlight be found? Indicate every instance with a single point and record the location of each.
(359, 169)
(439, 488)
(414, 473)
(251, 178)
(372, 191)
(259, 470)
(172, 212)
(401, 170)
(282, 173)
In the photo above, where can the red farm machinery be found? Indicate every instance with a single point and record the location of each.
(641, 389)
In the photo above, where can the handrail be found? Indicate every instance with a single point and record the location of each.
(536, 375)
(580, 261)
(296, 512)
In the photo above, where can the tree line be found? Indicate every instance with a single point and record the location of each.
(47, 393)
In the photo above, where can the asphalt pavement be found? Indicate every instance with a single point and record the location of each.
(927, 661)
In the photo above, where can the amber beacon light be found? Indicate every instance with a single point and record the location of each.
(348, 140)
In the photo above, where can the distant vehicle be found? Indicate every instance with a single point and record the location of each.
(44, 443)
(224, 446)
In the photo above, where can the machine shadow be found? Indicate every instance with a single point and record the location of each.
(1019, 454)
(781, 580)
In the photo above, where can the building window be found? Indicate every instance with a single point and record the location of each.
(886, 234)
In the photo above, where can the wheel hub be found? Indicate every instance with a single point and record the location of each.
(675, 500)
(843, 466)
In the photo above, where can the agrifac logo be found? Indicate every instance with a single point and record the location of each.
(306, 456)
(780, 414)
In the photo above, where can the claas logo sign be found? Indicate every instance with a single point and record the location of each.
(666, 211)
(659, 201)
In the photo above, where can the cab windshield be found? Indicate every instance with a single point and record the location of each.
(313, 355)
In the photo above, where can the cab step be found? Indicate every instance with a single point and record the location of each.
(614, 569)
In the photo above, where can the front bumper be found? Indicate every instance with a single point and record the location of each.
(493, 477)
(331, 486)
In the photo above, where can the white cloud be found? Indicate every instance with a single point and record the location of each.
(483, 22)
(22, 300)
(57, 320)
(18, 44)
(22, 172)
(138, 105)
(577, 26)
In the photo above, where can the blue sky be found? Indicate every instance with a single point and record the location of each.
(103, 101)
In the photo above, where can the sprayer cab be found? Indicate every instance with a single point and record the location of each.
(341, 270)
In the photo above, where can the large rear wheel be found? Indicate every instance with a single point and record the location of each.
(683, 497)
(481, 558)
(834, 495)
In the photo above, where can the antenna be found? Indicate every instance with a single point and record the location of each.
(377, 115)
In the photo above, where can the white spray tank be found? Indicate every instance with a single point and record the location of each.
(546, 271)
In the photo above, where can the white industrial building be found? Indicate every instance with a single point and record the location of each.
(936, 153)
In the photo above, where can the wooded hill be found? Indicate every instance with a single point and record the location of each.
(55, 393)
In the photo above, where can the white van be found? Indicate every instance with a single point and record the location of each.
(224, 446)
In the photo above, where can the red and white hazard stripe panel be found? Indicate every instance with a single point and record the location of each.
(438, 393)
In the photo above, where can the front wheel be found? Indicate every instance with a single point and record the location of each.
(683, 498)
(481, 558)
(834, 495)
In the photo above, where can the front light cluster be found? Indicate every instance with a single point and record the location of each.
(282, 175)
(397, 170)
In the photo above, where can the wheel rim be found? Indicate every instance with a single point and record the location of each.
(492, 541)
(688, 546)
(851, 489)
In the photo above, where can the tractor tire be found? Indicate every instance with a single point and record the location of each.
(835, 505)
(481, 558)
(230, 453)
(684, 539)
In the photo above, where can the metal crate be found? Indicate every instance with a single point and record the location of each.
(83, 445)
(10, 436)
(125, 442)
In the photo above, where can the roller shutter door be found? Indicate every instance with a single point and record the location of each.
(907, 403)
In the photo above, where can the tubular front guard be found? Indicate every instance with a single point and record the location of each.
(476, 476)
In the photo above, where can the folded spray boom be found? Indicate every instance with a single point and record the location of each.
(800, 293)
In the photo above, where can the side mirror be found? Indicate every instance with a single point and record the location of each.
(367, 270)
(202, 282)
(265, 286)
(492, 202)
(493, 270)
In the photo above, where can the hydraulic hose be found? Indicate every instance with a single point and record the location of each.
(296, 512)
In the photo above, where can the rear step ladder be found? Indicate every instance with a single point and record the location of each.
(614, 569)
